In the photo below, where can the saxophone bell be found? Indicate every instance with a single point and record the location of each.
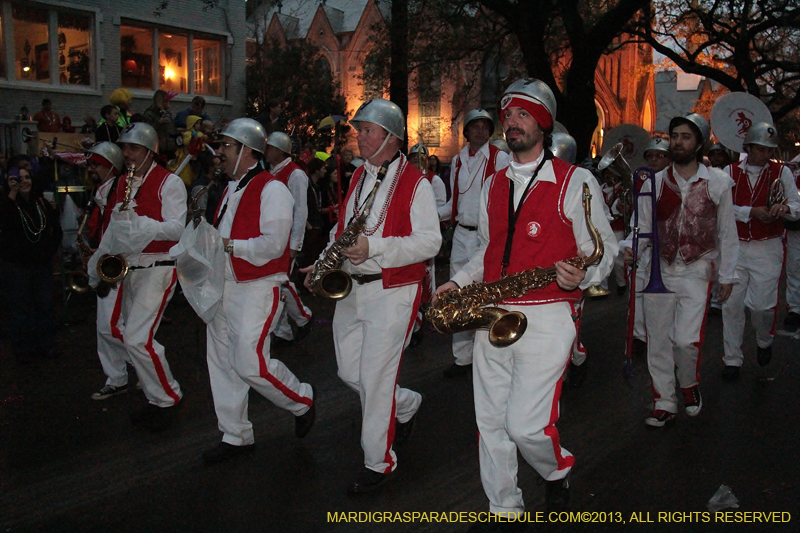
(335, 284)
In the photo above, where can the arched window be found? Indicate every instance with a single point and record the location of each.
(597, 136)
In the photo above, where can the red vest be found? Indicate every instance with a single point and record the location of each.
(148, 203)
(543, 233)
(488, 171)
(397, 223)
(744, 195)
(285, 172)
(691, 229)
(246, 225)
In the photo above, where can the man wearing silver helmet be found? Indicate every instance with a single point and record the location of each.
(104, 164)
(657, 155)
(697, 242)
(759, 222)
(254, 220)
(279, 156)
(517, 388)
(150, 225)
(372, 325)
(468, 171)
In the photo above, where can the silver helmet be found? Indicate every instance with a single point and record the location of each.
(249, 132)
(416, 149)
(382, 112)
(763, 134)
(281, 141)
(532, 89)
(500, 144)
(657, 144)
(110, 152)
(478, 114)
(564, 147)
(695, 120)
(140, 133)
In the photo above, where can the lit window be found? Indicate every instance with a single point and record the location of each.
(74, 50)
(31, 43)
(172, 58)
(136, 54)
(207, 67)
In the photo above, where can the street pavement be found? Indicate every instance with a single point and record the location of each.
(72, 464)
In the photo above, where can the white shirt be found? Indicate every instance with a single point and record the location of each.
(391, 252)
(275, 224)
(521, 174)
(469, 183)
(298, 186)
(173, 213)
(439, 192)
(742, 212)
(726, 254)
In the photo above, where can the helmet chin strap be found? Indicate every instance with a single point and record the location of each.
(147, 158)
(238, 160)
(383, 145)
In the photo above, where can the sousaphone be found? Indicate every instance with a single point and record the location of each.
(732, 116)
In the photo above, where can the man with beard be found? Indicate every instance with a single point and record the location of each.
(517, 388)
(697, 236)
(761, 251)
(469, 170)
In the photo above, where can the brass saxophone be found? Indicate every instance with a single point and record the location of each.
(474, 306)
(113, 268)
(328, 279)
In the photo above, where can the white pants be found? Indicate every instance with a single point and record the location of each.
(110, 338)
(145, 294)
(293, 308)
(517, 392)
(465, 245)
(759, 271)
(793, 271)
(675, 324)
(371, 327)
(238, 359)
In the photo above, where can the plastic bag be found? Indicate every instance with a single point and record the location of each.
(69, 224)
(723, 499)
(200, 260)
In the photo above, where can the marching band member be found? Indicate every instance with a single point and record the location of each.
(468, 171)
(792, 320)
(696, 231)
(760, 229)
(155, 220)
(255, 220)
(372, 325)
(279, 152)
(105, 163)
(517, 388)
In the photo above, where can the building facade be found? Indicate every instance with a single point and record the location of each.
(77, 53)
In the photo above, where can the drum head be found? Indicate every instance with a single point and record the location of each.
(634, 139)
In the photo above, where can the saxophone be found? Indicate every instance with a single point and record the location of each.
(328, 279)
(474, 306)
(113, 268)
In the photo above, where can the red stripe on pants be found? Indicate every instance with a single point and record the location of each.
(162, 377)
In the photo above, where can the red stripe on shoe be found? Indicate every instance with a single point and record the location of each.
(263, 369)
(297, 300)
(115, 316)
(162, 376)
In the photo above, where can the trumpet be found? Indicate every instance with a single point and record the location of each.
(473, 306)
(113, 268)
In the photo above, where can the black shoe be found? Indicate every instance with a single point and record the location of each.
(402, 431)
(278, 342)
(224, 451)
(454, 370)
(764, 355)
(730, 373)
(639, 348)
(368, 480)
(416, 338)
(304, 422)
(162, 420)
(303, 331)
(715, 311)
(792, 321)
(621, 290)
(577, 374)
(558, 495)
(144, 414)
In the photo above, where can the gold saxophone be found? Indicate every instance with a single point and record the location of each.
(474, 306)
(327, 278)
(113, 268)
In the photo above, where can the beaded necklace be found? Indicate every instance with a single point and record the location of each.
(385, 209)
(27, 222)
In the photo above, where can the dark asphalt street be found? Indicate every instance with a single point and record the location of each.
(72, 464)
